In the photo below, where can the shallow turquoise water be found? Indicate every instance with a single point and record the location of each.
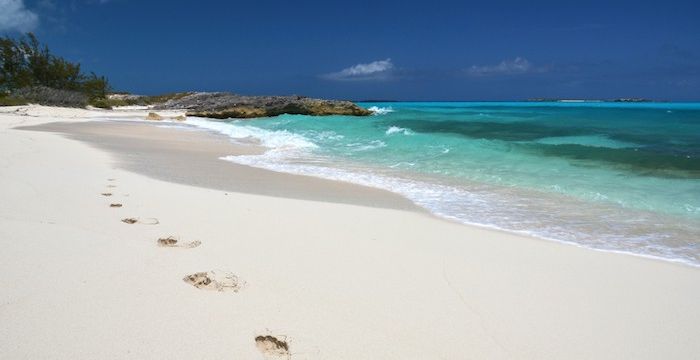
(611, 176)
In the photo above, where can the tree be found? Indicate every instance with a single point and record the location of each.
(14, 72)
(95, 87)
(25, 62)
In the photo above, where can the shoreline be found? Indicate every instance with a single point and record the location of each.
(437, 213)
(120, 138)
(332, 280)
(162, 152)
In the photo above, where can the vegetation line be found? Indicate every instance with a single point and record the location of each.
(29, 72)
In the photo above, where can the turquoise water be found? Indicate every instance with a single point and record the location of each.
(610, 176)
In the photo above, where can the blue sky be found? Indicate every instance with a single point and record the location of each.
(436, 50)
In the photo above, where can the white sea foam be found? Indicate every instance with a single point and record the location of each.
(398, 130)
(328, 135)
(246, 133)
(530, 213)
(380, 110)
(402, 164)
(371, 145)
(481, 206)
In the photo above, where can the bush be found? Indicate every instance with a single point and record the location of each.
(159, 99)
(51, 97)
(12, 101)
(95, 87)
(113, 100)
(102, 103)
(27, 66)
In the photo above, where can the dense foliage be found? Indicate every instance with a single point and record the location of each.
(26, 64)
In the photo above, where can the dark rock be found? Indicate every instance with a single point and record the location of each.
(222, 105)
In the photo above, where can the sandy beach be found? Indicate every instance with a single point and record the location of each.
(296, 267)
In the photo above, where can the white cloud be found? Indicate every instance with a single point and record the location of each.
(14, 16)
(506, 67)
(375, 70)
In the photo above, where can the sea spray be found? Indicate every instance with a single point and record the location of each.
(398, 130)
(237, 131)
(376, 110)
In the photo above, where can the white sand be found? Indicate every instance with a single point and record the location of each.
(336, 281)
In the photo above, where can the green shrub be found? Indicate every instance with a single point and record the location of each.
(110, 102)
(102, 103)
(51, 97)
(159, 99)
(27, 64)
(12, 101)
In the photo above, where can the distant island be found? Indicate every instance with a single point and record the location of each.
(30, 73)
(590, 100)
(632, 100)
(377, 101)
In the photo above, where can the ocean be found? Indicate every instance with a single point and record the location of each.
(622, 177)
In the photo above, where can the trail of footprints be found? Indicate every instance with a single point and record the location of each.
(271, 347)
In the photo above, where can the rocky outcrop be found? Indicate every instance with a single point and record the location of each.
(226, 105)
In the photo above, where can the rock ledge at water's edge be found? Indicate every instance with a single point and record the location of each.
(223, 105)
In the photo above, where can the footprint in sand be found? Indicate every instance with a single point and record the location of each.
(144, 221)
(215, 280)
(115, 205)
(172, 241)
(272, 348)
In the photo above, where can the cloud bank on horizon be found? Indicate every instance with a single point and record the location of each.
(14, 16)
(376, 70)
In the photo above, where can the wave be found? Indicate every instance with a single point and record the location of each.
(599, 225)
(380, 110)
(372, 145)
(397, 129)
(280, 139)
(488, 207)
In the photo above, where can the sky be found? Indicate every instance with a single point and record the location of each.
(393, 50)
